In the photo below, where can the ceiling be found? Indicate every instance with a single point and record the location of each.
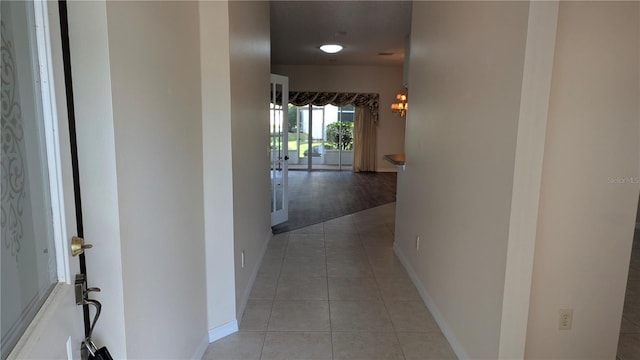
(365, 29)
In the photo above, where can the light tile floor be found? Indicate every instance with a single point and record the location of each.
(335, 290)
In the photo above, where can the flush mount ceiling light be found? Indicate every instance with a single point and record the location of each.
(331, 48)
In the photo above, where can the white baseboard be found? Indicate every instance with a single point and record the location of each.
(222, 331)
(201, 349)
(247, 291)
(387, 170)
(453, 341)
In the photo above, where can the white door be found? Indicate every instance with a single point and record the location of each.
(40, 318)
(278, 141)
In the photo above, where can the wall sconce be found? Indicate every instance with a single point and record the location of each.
(401, 105)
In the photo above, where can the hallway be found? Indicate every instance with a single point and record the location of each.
(335, 290)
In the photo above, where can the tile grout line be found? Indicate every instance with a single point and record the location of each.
(326, 265)
(275, 293)
(384, 303)
(378, 288)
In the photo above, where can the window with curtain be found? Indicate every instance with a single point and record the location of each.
(365, 120)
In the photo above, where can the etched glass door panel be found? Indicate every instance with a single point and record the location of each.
(29, 269)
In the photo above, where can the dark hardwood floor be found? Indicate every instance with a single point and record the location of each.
(318, 196)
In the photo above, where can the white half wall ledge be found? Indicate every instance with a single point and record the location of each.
(202, 348)
(446, 331)
(221, 331)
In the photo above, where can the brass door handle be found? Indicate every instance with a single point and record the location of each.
(78, 246)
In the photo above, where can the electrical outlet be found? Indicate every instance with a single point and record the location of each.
(565, 319)
(417, 242)
(242, 259)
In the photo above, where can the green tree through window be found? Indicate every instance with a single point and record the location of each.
(337, 130)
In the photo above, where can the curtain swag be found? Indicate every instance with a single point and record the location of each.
(300, 98)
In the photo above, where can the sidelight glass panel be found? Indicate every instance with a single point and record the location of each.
(27, 246)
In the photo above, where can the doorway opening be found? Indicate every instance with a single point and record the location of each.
(321, 137)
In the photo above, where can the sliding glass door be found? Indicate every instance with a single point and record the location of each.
(321, 137)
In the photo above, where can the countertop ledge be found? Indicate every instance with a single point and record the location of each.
(395, 159)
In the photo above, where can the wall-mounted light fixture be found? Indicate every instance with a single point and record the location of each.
(401, 105)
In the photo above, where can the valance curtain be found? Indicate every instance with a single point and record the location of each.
(366, 119)
(369, 101)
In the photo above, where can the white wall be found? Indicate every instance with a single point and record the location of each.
(154, 49)
(384, 80)
(465, 79)
(527, 176)
(249, 59)
(471, 191)
(586, 220)
(166, 119)
(218, 181)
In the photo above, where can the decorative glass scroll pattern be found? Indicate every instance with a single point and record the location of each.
(27, 250)
(13, 168)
